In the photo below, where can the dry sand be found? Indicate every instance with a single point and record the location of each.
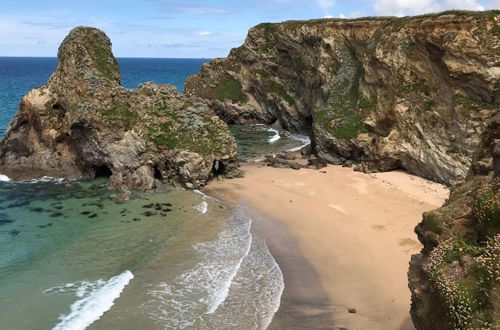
(343, 240)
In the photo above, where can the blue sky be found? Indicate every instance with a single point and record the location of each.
(180, 28)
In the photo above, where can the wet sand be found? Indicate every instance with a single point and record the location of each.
(343, 240)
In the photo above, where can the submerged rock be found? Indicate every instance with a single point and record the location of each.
(83, 123)
(388, 93)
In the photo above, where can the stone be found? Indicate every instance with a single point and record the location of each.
(387, 93)
(82, 124)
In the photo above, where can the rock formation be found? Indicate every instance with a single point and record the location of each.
(82, 123)
(388, 93)
(455, 280)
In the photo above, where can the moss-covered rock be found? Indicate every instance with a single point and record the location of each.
(82, 120)
(431, 83)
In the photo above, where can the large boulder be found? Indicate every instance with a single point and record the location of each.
(83, 123)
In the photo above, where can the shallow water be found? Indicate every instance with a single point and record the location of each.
(72, 254)
(255, 141)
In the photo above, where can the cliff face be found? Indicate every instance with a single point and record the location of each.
(455, 280)
(388, 93)
(82, 123)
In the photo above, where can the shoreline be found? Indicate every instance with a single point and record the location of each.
(342, 239)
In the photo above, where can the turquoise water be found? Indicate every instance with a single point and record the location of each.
(76, 255)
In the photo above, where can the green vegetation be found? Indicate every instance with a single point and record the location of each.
(467, 105)
(279, 89)
(496, 31)
(120, 115)
(211, 136)
(341, 116)
(262, 73)
(230, 89)
(432, 223)
(105, 61)
(487, 213)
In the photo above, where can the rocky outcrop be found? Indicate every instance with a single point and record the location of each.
(387, 93)
(455, 280)
(83, 123)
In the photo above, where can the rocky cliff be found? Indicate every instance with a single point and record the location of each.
(388, 93)
(455, 280)
(83, 123)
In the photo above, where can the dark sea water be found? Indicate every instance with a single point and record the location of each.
(74, 256)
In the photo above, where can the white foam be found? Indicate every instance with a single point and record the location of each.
(275, 137)
(97, 298)
(202, 207)
(209, 279)
(4, 178)
(302, 138)
(47, 179)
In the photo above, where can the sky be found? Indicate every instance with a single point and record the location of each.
(181, 28)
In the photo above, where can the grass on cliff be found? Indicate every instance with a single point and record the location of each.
(105, 61)
(342, 116)
(464, 268)
(119, 114)
(230, 89)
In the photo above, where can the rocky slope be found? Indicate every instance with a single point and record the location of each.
(412, 93)
(455, 280)
(82, 123)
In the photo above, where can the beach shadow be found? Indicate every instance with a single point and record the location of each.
(304, 303)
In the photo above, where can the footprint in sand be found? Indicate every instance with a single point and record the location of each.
(338, 208)
(379, 227)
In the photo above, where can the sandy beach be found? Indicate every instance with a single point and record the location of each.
(343, 240)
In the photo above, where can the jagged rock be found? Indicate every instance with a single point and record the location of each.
(391, 93)
(83, 123)
(281, 162)
(455, 280)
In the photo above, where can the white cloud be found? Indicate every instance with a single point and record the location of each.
(204, 33)
(412, 7)
(328, 16)
(325, 4)
(495, 3)
(342, 16)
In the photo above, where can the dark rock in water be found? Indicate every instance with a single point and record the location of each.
(82, 124)
(163, 214)
(4, 219)
(19, 204)
(167, 210)
(136, 219)
(37, 209)
(148, 206)
(149, 213)
(93, 215)
(167, 204)
(56, 215)
(58, 207)
(85, 212)
(14, 232)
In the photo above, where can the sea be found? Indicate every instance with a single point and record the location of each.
(75, 255)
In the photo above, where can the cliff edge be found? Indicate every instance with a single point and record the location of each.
(83, 123)
(410, 93)
(455, 280)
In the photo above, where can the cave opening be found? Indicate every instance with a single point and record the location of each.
(102, 171)
(218, 168)
(56, 106)
(157, 173)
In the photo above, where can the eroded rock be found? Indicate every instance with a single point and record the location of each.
(83, 123)
(387, 93)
